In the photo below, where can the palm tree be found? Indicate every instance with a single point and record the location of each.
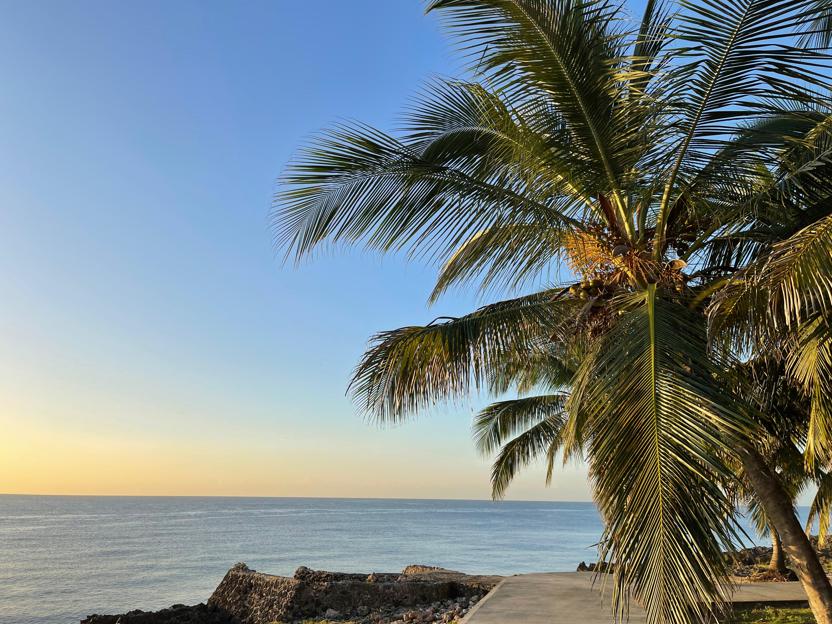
(678, 165)
(785, 409)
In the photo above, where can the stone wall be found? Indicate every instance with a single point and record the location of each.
(256, 598)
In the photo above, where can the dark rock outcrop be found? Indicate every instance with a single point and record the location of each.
(596, 567)
(177, 614)
(751, 564)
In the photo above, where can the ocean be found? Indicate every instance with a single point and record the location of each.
(65, 557)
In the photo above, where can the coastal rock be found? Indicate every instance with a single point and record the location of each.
(420, 569)
(751, 564)
(177, 614)
(772, 576)
(332, 614)
(596, 567)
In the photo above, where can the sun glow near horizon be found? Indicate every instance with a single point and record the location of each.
(37, 459)
(150, 340)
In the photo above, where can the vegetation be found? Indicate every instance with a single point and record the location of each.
(678, 165)
(770, 615)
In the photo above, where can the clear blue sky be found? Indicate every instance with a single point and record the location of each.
(150, 341)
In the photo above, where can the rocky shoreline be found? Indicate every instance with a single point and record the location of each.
(749, 565)
(417, 595)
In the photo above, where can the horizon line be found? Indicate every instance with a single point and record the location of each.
(482, 500)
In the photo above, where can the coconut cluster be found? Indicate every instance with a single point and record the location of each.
(590, 289)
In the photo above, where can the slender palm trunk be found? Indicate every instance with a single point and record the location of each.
(778, 508)
(778, 557)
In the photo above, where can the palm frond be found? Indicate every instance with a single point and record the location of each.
(810, 364)
(538, 368)
(503, 258)
(737, 315)
(522, 430)
(410, 369)
(464, 124)
(816, 26)
(501, 421)
(655, 412)
(821, 509)
(527, 447)
(733, 67)
(575, 52)
(798, 274)
(354, 184)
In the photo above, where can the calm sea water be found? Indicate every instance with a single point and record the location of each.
(63, 558)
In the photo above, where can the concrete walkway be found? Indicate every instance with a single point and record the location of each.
(570, 598)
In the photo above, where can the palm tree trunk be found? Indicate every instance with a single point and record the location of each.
(780, 512)
(778, 557)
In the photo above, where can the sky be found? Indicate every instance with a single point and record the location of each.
(151, 342)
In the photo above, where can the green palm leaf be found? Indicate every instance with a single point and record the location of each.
(821, 509)
(521, 431)
(501, 421)
(502, 258)
(655, 412)
(810, 364)
(354, 184)
(549, 367)
(733, 68)
(574, 52)
(408, 370)
(799, 273)
(464, 124)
